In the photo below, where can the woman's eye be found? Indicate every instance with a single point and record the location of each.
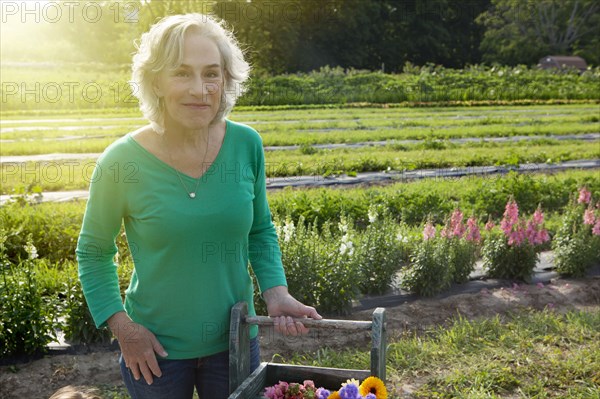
(181, 73)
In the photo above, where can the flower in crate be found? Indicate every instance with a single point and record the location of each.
(373, 386)
(349, 391)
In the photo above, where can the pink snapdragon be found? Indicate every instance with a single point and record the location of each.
(589, 217)
(596, 228)
(473, 233)
(511, 216)
(428, 231)
(584, 196)
(456, 225)
(489, 225)
(516, 237)
(538, 217)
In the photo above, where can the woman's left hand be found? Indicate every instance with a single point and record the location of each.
(282, 307)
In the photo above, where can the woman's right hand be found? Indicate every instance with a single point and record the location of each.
(138, 346)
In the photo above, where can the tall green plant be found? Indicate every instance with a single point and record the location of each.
(576, 244)
(379, 253)
(428, 273)
(27, 323)
(513, 251)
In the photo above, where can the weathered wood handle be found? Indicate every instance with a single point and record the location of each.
(312, 323)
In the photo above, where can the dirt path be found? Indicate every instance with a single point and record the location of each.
(38, 379)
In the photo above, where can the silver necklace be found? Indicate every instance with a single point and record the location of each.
(191, 194)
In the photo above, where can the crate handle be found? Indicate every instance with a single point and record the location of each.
(313, 323)
(239, 339)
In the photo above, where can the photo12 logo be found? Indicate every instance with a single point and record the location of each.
(69, 11)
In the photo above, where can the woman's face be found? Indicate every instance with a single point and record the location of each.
(192, 91)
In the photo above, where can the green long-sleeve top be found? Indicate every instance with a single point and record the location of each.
(190, 255)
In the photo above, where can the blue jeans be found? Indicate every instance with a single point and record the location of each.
(210, 376)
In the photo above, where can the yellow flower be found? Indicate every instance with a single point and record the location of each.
(375, 386)
(334, 395)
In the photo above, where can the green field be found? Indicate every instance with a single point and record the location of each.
(433, 128)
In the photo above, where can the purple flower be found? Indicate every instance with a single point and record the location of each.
(322, 393)
(349, 391)
(370, 396)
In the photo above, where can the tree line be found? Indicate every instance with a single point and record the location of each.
(286, 36)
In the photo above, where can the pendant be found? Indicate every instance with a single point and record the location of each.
(192, 195)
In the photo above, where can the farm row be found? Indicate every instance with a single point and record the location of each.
(431, 129)
(101, 86)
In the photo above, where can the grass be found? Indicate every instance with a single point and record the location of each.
(529, 354)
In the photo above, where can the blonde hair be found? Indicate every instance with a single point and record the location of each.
(72, 392)
(161, 47)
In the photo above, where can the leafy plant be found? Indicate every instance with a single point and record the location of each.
(27, 323)
(379, 253)
(576, 244)
(428, 273)
(512, 253)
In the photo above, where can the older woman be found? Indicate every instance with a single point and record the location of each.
(190, 188)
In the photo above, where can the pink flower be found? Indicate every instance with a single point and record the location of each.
(588, 216)
(473, 233)
(538, 217)
(542, 236)
(596, 228)
(516, 237)
(511, 216)
(456, 225)
(584, 196)
(531, 232)
(428, 231)
(489, 225)
(444, 233)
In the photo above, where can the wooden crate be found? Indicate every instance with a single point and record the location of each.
(244, 385)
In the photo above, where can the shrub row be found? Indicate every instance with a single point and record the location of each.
(103, 87)
(54, 227)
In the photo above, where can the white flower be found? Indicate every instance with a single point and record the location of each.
(346, 246)
(288, 230)
(278, 229)
(401, 238)
(31, 250)
(343, 225)
(372, 215)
